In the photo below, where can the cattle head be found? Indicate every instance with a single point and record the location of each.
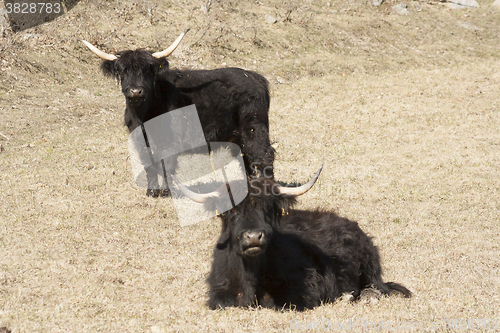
(136, 71)
(249, 226)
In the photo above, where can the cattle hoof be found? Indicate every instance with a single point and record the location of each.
(370, 296)
(347, 297)
(158, 193)
(239, 299)
(267, 301)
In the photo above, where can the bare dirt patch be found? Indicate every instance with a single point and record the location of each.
(402, 110)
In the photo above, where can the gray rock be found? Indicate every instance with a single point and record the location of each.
(4, 21)
(467, 25)
(401, 9)
(496, 4)
(270, 19)
(458, 4)
(377, 3)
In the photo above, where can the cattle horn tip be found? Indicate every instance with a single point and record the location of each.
(196, 197)
(301, 189)
(99, 53)
(171, 48)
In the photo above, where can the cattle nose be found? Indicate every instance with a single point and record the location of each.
(135, 93)
(253, 238)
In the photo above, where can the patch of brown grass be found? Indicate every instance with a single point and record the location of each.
(401, 110)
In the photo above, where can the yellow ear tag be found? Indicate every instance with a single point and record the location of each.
(283, 213)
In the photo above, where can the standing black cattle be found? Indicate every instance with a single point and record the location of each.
(274, 256)
(232, 103)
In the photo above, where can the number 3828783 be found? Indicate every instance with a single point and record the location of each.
(33, 8)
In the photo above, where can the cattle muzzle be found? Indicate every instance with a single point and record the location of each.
(253, 243)
(136, 95)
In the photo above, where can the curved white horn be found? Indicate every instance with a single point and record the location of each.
(301, 189)
(171, 48)
(102, 55)
(198, 197)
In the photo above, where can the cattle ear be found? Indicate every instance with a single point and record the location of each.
(225, 236)
(108, 68)
(162, 65)
(284, 203)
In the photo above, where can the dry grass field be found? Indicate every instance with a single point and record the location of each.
(402, 111)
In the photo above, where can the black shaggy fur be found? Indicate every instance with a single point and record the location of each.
(232, 103)
(306, 258)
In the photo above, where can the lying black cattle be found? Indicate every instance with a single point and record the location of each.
(274, 256)
(232, 103)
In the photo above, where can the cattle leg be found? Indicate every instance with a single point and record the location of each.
(154, 189)
(222, 300)
(232, 281)
(371, 271)
(221, 297)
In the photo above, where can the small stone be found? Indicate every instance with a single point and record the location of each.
(155, 329)
(270, 19)
(204, 9)
(280, 80)
(377, 3)
(401, 9)
(496, 4)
